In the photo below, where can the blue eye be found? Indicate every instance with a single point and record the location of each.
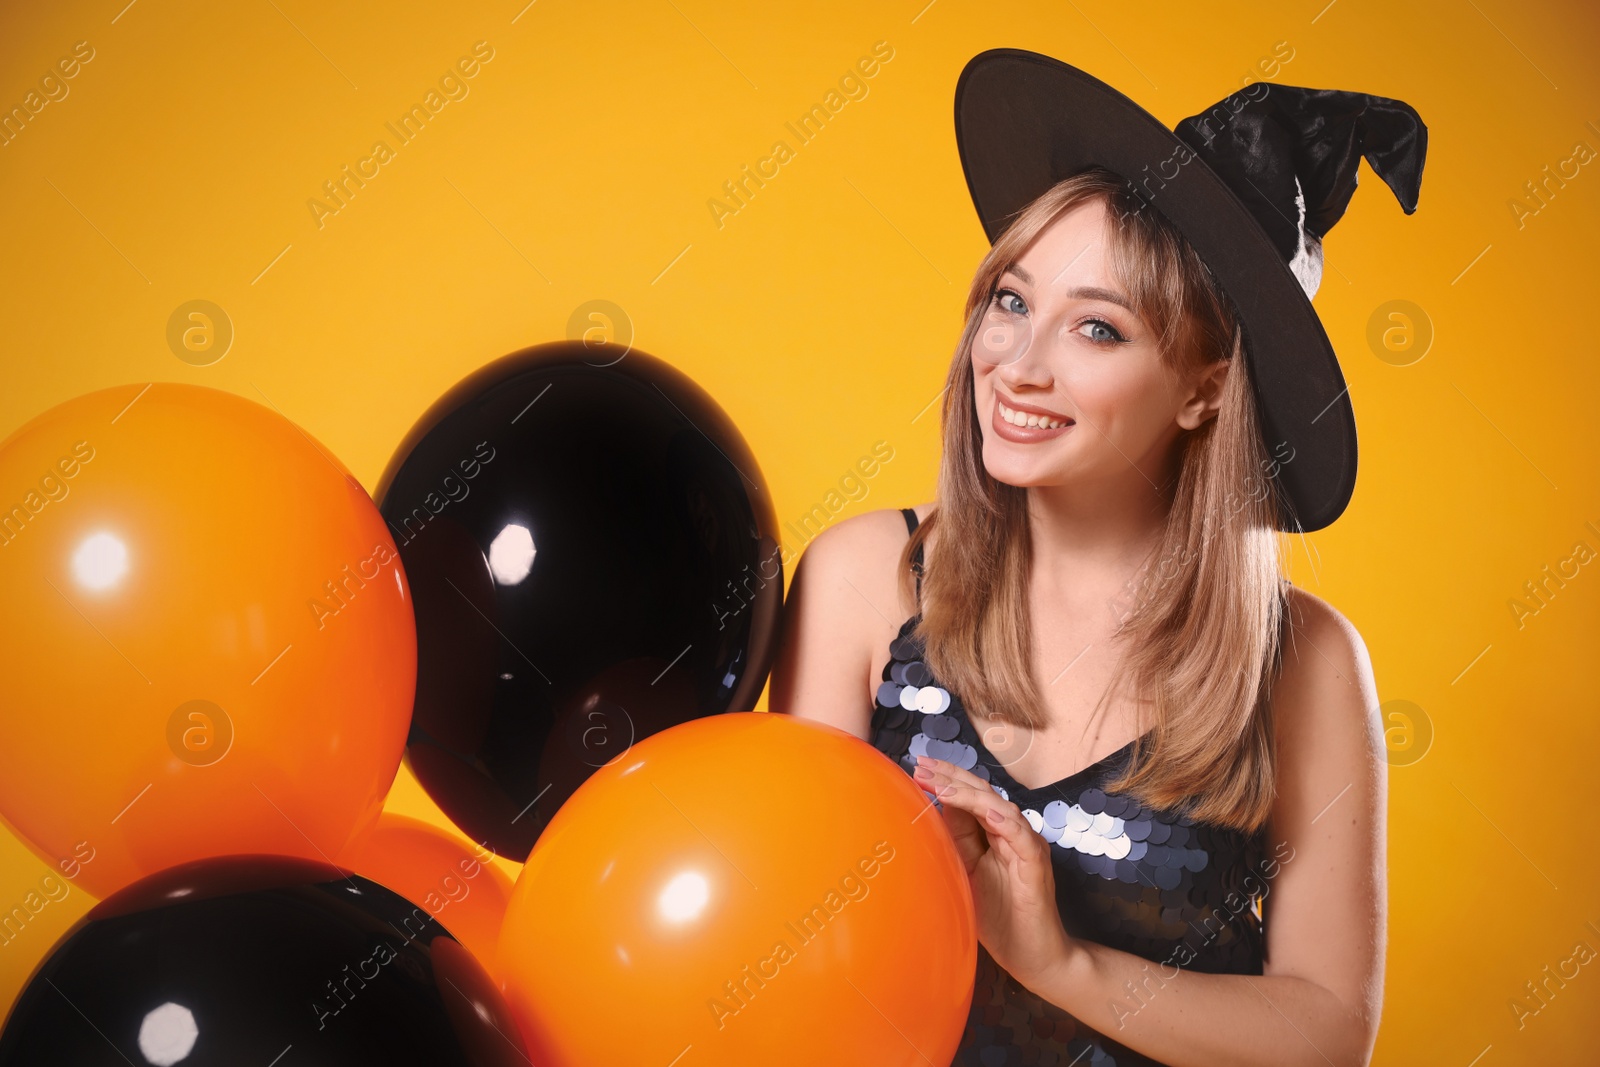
(1019, 308)
(1101, 332)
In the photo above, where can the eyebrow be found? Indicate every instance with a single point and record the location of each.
(1110, 296)
(1089, 292)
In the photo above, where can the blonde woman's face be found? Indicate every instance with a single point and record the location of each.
(1068, 382)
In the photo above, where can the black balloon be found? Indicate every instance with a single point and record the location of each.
(593, 557)
(259, 960)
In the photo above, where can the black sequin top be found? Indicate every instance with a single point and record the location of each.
(1154, 883)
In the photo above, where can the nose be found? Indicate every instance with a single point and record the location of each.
(1032, 368)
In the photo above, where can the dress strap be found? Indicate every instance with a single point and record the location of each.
(916, 557)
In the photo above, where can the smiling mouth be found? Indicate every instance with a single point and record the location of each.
(1029, 420)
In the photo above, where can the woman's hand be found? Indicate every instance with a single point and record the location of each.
(1008, 864)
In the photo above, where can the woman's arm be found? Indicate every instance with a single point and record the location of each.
(1319, 999)
(838, 611)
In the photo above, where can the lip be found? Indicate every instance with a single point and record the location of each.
(1026, 435)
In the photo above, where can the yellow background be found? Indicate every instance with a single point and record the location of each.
(822, 315)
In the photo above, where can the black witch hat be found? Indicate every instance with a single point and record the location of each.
(1253, 183)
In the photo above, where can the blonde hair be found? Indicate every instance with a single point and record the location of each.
(1205, 629)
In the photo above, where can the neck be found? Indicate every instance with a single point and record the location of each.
(1080, 531)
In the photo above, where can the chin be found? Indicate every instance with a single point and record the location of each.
(1003, 464)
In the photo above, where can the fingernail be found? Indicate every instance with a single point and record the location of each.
(994, 816)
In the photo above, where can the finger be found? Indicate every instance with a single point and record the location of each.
(970, 841)
(952, 785)
(1016, 842)
(963, 826)
(1001, 820)
(959, 774)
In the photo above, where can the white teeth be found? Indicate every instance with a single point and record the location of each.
(1018, 418)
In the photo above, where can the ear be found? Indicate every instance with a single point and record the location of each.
(1205, 397)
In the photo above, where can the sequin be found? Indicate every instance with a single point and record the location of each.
(1136, 879)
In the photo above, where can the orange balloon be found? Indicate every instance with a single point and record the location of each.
(450, 881)
(208, 643)
(739, 889)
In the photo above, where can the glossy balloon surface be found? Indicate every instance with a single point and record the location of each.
(594, 558)
(455, 883)
(743, 889)
(259, 960)
(207, 643)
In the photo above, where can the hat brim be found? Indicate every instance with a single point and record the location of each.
(1025, 121)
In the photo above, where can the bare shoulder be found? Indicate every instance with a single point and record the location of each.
(877, 528)
(1320, 638)
(1327, 680)
(1329, 818)
(862, 551)
(843, 608)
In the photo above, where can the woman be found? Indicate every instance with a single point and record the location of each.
(1160, 762)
